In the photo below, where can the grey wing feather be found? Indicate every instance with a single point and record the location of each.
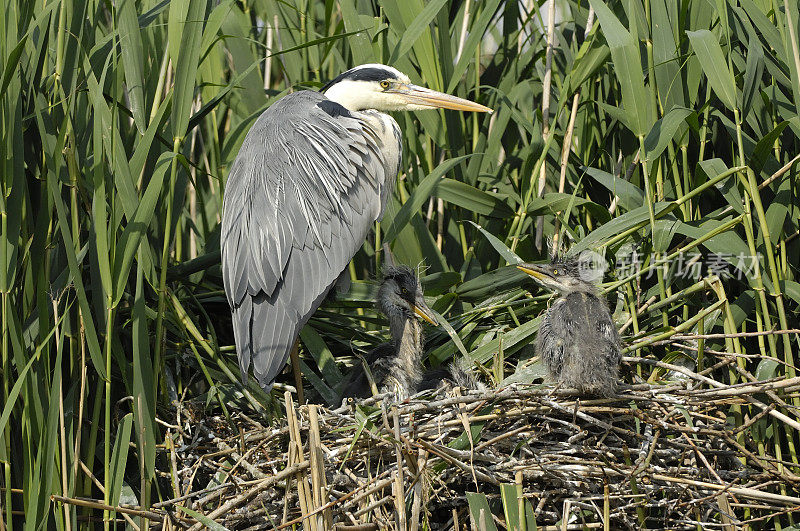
(301, 197)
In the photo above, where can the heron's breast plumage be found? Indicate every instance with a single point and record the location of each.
(388, 136)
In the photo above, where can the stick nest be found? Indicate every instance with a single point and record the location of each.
(654, 456)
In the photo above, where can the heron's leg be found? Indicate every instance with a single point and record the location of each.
(298, 376)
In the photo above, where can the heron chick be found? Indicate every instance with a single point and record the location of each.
(577, 340)
(396, 366)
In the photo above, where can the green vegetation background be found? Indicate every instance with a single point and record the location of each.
(670, 127)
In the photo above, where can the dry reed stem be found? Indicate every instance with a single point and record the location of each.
(566, 147)
(94, 504)
(398, 486)
(296, 454)
(546, 82)
(319, 484)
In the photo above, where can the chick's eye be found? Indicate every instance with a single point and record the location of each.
(404, 291)
(384, 84)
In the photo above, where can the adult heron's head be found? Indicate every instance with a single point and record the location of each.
(565, 276)
(383, 88)
(400, 295)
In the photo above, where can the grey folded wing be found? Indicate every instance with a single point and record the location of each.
(301, 198)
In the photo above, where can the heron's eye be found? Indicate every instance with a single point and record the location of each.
(385, 84)
(555, 271)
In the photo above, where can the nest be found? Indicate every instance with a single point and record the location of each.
(657, 456)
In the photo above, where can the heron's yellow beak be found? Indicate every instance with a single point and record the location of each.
(417, 95)
(533, 270)
(424, 312)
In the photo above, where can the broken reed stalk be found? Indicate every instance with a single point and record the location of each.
(319, 484)
(399, 484)
(548, 76)
(416, 507)
(296, 455)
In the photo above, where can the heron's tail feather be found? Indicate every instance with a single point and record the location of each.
(241, 316)
(265, 334)
(274, 330)
(265, 329)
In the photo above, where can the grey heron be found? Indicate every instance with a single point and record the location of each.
(396, 366)
(577, 340)
(311, 177)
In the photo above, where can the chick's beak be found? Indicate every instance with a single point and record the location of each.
(417, 95)
(535, 271)
(422, 310)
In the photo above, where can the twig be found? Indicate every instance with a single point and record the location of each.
(95, 504)
(741, 491)
(261, 486)
(786, 167)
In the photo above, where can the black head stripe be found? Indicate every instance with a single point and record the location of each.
(361, 74)
(334, 109)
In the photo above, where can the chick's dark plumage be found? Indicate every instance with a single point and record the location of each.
(579, 344)
(395, 366)
(577, 340)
